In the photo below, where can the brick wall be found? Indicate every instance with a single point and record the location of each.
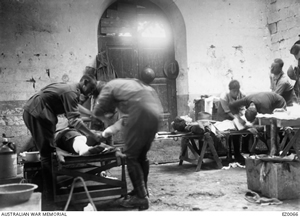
(283, 20)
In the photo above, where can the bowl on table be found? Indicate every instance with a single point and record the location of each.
(16, 193)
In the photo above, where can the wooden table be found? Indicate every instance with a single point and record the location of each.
(274, 123)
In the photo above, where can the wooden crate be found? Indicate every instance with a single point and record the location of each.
(253, 167)
(274, 179)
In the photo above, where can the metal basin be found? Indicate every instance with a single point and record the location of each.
(16, 193)
(33, 156)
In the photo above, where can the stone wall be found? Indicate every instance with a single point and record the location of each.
(215, 40)
(283, 22)
(12, 124)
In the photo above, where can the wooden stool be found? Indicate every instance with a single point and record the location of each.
(89, 168)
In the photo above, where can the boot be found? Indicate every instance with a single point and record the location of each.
(136, 175)
(136, 202)
(131, 193)
(145, 169)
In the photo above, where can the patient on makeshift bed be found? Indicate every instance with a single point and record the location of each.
(69, 141)
(73, 142)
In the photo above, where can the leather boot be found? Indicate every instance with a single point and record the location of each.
(136, 202)
(140, 200)
(145, 169)
(131, 193)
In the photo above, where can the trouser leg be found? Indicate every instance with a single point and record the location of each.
(145, 167)
(43, 136)
(47, 178)
(236, 146)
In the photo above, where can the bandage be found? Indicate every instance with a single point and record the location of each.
(79, 145)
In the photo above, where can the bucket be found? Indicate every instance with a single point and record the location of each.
(8, 166)
(8, 160)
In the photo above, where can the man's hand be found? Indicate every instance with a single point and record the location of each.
(99, 137)
(107, 132)
(120, 154)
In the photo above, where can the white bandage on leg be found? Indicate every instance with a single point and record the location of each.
(79, 145)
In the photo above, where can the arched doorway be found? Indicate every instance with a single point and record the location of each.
(134, 34)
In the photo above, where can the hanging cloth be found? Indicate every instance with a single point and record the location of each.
(105, 70)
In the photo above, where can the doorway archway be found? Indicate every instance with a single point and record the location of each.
(129, 55)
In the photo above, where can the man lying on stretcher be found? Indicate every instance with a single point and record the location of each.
(70, 142)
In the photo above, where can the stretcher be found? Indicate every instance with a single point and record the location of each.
(203, 146)
(90, 169)
(188, 143)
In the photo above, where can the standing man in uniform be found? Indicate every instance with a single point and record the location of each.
(141, 103)
(40, 116)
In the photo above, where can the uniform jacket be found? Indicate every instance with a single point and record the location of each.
(265, 102)
(53, 100)
(119, 93)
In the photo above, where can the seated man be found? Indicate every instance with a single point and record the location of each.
(224, 113)
(294, 73)
(280, 83)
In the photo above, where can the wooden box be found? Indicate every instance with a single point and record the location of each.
(279, 180)
(253, 167)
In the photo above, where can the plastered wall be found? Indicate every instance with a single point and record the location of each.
(233, 39)
(230, 41)
(42, 42)
(45, 41)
